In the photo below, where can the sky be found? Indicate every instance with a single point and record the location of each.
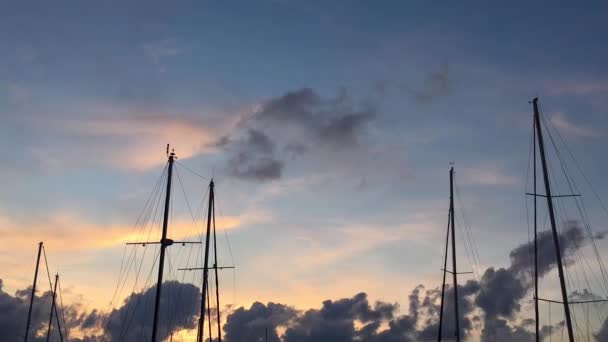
(329, 128)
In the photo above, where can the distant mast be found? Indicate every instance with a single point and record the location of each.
(29, 312)
(451, 226)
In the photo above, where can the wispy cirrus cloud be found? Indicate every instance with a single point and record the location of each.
(580, 87)
(487, 175)
(118, 139)
(566, 126)
(62, 229)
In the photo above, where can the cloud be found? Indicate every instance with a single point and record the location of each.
(133, 320)
(571, 239)
(288, 126)
(488, 175)
(254, 158)
(437, 83)
(579, 87)
(490, 307)
(13, 315)
(60, 230)
(160, 49)
(564, 125)
(120, 137)
(251, 324)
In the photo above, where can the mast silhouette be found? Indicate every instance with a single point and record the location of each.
(452, 226)
(54, 310)
(454, 271)
(536, 312)
(164, 243)
(556, 244)
(206, 266)
(29, 312)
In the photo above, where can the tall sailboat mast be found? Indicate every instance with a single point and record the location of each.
(556, 244)
(206, 265)
(164, 243)
(454, 271)
(205, 295)
(536, 312)
(29, 312)
(452, 226)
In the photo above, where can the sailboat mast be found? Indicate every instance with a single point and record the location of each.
(29, 312)
(454, 270)
(164, 243)
(445, 267)
(536, 313)
(206, 264)
(54, 310)
(217, 280)
(558, 253)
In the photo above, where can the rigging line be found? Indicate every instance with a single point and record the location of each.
(582, 212)
(65, 324)
(550, 326)
(130, 304)
(48, 273)
(470, 248)
(462, 241)
(156, 188)
(217, 285)
(125, 328)
(468, 231)
(580, 206)
(531, 151)
(192, 171)
(221, 214)
(190, 246)
(185, 196)
(468, 236)
(150, 218)
(145, 215)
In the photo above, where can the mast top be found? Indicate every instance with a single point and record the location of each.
(171, 154)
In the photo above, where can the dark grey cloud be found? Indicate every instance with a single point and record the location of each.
(14, 309)
(130, 322)
(254, 158)
(251, 324)
(490, 305)
(133, 320)
(571, 239)
(289, 126)
(501, 293)
(498, 330)
(436, 84)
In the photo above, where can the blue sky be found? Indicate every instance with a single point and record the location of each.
(90, 93)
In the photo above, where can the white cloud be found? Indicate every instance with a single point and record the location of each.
(564, 125)
(487, 175)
